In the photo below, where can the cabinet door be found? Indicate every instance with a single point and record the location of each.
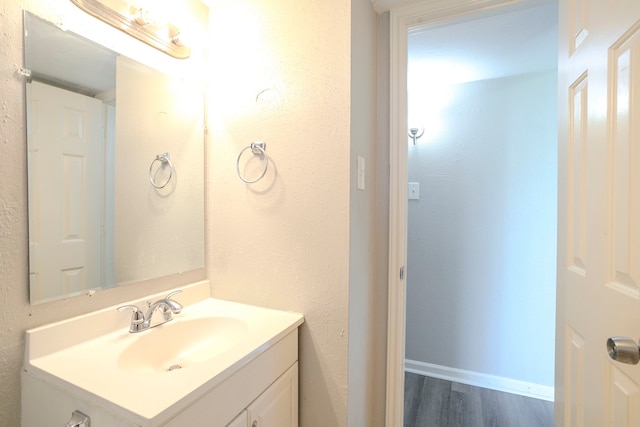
(44, 404)
(241, 420)
(278, 405)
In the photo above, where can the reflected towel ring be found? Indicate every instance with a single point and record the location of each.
(257, 148)
(164, 158)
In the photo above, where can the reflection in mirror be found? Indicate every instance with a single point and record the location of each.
(96, 122)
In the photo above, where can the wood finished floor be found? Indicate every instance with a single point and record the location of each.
(431, 402)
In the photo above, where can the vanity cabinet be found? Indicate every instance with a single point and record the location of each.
(238, 367)
(46, 404)
(276, 407)
(241, 420)
(264, 392)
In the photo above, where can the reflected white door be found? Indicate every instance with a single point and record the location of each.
(65, 152)
(599, 211)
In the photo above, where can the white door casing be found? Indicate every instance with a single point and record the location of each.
(598, 211)
(65, 153)
(402, 20)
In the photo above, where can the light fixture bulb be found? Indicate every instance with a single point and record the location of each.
(143, 17)
(175, 36)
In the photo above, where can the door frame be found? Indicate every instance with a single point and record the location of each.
(402, 20)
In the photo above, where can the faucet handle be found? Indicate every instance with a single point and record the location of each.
(173, 293)
(137, 317)
(176, 307)
(136, 311)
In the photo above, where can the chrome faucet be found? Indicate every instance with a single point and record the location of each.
(141, 322)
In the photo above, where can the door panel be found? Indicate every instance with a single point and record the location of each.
(624, 399)
(574, 369)
(578, 14)
(624, 174)
(577, 185)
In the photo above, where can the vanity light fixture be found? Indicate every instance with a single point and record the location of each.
(139, 24)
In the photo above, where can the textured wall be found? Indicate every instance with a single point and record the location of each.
(301, 78)
(16, 314)
(481, 247)
(284, 241)
(14, 304)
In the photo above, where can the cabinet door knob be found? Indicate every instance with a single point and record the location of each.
(78, 419)
(254, 423)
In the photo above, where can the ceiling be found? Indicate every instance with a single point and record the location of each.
(64, 59)
(517, 42)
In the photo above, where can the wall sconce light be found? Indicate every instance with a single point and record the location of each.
(162, 36)
(415, 133)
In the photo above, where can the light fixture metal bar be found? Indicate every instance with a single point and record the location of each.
(130, 26)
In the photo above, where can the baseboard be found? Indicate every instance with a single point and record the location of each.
(477, 379)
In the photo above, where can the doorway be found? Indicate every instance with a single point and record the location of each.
(477, 296)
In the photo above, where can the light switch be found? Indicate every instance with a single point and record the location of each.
(361, 174)
(414, 191)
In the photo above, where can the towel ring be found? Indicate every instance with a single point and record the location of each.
(257, 148)
(164, 158)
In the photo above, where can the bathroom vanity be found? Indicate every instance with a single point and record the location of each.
(216, 363)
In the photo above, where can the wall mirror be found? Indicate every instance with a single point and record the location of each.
(115, 168)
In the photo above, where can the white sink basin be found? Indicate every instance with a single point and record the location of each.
(181, 344)
(175, 363)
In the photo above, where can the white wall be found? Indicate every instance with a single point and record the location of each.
(367, 289)
(482, 237)
(285, 242)
(16, 314)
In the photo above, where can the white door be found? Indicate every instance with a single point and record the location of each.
(65, 191)
(599, 211)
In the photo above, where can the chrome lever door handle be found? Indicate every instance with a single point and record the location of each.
(624, 350)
